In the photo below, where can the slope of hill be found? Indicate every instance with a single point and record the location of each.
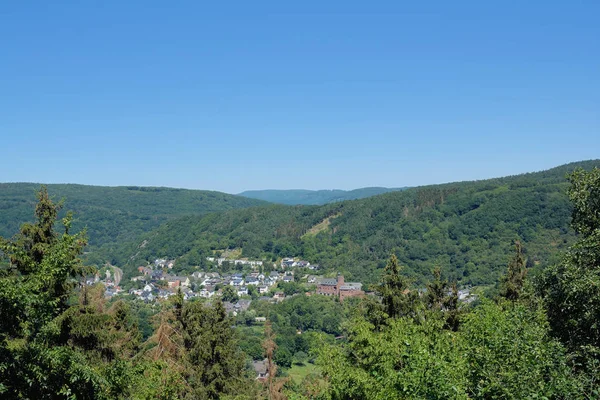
(113, 214)
(466, 228)
(314, 197)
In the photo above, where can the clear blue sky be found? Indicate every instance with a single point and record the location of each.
(243, 95)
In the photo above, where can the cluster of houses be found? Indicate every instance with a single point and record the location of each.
(262, 282)
(158, 284)
(221, 260)
(111, 281)
(155, 282)
(290, 262)
(163, 263)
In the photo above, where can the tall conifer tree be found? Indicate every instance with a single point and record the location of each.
(394, 288)
(512, 284)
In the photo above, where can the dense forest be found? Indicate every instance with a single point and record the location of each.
(113, 214)
(295, 197)
(464, 228)
(538, 337)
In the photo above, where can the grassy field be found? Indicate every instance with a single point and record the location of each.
(320, 227)
(299, 372)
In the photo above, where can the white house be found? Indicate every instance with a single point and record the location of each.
(237, 282)
(263, 289)
(185, 281)
(207, 292)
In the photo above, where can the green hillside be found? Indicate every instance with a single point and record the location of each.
(466, 228)
(315, 197)
(113, 214)
(534, 339)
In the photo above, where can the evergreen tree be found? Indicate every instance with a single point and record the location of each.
(452, 308)
(104, 333)
(39, 357)
(397, 298)
(216, 365)
(436, 290)
(442, 297)
(512, 283)
(34, 240)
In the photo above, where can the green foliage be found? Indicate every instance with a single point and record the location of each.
(105, 333)
(114, 214)
(300, 357)
(229, 294)
(511, 355)
(584, 193)
(442, 297)
(397, 299)
(512, 283)
(157, 380)
(59, 339)
(463, 227)
(283, 357)
(250, 342)
(216, 365)
(60, 342)
(405, 360)
(290, 288)
(301, 324)
(501, 351)
(308, 313)
(200, 347)
(253, 291)
(50, 349)
(571, 288)
(144, 312)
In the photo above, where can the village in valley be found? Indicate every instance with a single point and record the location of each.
(246, 281)
(249, 279)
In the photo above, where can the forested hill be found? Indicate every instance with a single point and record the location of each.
(466, 228)
(113, 214)
(315, 197)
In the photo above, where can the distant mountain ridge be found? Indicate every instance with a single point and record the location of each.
(466, 228)
(315, 197)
